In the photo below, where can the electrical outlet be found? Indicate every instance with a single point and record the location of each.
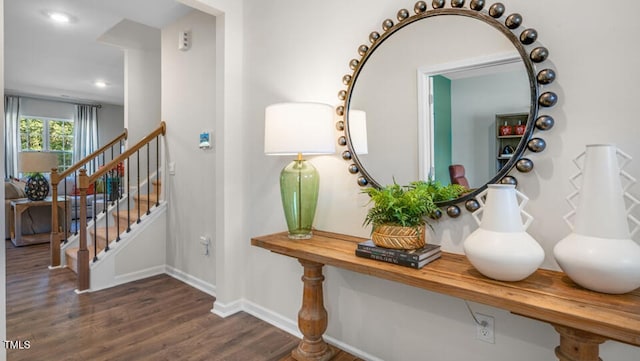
(485, 330)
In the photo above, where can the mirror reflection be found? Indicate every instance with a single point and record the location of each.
(472, 73)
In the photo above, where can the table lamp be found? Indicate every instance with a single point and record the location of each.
(33, 164)
(299, 128)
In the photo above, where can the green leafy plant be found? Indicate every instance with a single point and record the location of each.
(408, 206)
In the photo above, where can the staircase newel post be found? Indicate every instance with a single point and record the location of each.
(83, 252)
(56, 236)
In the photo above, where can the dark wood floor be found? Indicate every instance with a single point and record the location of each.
(158, 318)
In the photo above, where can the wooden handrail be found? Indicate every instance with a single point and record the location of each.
(84, 181)
(160, 130)
(56, 178)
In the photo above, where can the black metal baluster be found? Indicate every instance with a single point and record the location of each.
(128, 195)
(105, 194)
(138, 187)
(106, 227)
(95, 233)
(66, 217)
(158, 185)
(76, 207)
(148, 183)
(121, 175)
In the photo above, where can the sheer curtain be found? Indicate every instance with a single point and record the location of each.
(85, 133)
(11, 135)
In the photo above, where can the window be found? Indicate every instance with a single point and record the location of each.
(48, 134)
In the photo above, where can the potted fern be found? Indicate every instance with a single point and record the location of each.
(399, 213)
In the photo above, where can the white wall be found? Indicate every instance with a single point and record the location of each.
(3, 297)
(142, 91)
(110, 122)
(299, 50)
(189, 108)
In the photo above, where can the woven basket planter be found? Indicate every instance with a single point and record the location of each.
(398, 237)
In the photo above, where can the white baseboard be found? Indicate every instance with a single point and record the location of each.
(273, 318)
(138, 275)
(192, 281)
(225, 310)
(286, 324)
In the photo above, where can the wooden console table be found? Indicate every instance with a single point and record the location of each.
(584, 319)
(19, 206)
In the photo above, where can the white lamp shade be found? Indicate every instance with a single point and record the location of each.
(37, 162)
(292, 128)
(357, 123)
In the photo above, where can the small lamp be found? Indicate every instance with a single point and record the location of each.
(34, 164)
(357, 123)
(299, 128)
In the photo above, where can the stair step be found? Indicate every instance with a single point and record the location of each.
(101, 235)
(71, 253)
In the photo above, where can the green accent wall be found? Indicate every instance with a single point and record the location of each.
(442, 127)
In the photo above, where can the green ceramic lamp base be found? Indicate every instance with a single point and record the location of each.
(299, 184)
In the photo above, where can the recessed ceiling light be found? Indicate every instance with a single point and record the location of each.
(59, 17)
(100, 84)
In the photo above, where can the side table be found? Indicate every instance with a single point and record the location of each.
(19, 206)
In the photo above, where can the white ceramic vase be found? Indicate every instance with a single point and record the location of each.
(501, 248)
(599, 254)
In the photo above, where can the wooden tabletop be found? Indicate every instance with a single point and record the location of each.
(548, 296)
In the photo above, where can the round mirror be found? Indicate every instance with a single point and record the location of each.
(456, 88)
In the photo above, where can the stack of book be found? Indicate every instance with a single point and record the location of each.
(415, 258)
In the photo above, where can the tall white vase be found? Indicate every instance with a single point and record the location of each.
(599, 253)
(501, 248)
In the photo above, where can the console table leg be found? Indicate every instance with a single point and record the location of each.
(577, 345)
(312, 318)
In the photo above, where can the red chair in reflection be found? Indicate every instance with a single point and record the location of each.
(457, 175)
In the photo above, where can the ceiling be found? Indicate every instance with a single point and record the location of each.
(51, 60)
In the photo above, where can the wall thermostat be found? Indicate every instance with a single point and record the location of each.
(205, 140)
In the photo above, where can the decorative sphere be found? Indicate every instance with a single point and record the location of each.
(509, 180)
(513, 21)
(340, 110)
(402, 14)
(496, 10)
(420, 7)
(476, 5)
(353, 64)
(437, 4)
(457, 3)
(472, 205)
(524, 165)
(548, 99)
(539, 54)
(453, 211)
(362, 49)
(342, 94)
(340, 125)
(536, 145)
(374, 36)
(387, 24)
(437, 214)
(529, 36)
(545, 122)
(346, 80)
(362, 181)
(546, 76)
(346, 155)
(353, 169)
(342, 141)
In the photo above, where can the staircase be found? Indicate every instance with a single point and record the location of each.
(121, 223)
(126, 240)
